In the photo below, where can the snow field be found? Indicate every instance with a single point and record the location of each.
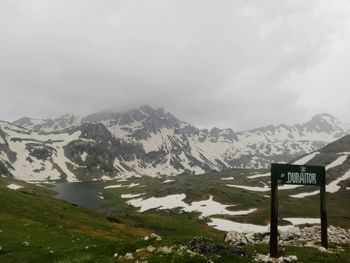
(206, 207)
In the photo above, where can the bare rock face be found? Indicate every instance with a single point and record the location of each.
(237, 239)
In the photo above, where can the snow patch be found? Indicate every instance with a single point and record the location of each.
(333, 186)
(120, 186)
(265, 188)
(227, 178)
(339, 161)
(168, 181)
(210, 207)
(114, 186)
(14, 186)
(302, 195)
(167, 202)
(227, 225)
(106, 178)
(40, 170)
(83, 156)
(306, 158)
(206, 207)
(258, 175)
(300, 221)
(127, 196)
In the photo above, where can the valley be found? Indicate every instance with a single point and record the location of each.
(175, 208)
(96, 191)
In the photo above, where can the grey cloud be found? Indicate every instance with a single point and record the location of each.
(238, 64)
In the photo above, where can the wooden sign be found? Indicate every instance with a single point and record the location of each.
(299, 174)
(296, 175)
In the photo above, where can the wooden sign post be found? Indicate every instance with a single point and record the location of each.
(297, 175)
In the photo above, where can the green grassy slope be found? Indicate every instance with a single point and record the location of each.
(37, 228)
(200, 187)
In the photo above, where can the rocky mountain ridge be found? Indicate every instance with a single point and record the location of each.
(147, 141)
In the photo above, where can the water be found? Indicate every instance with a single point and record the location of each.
(85, 194)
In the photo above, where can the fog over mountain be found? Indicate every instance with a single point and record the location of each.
(239, 64)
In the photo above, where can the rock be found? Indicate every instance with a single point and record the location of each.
(267, 258)
(165, 250)
(129, 256)
(204, 245)
(207, 246)
(235, 238)
(140, 250)
(266, 240)
(291, 258)
(146, 238)
(291, 233)
(156, 237)
(323, 250)
(151, 249)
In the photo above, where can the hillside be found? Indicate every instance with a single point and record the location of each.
(148, 141)
(336, 158)
(35, 227)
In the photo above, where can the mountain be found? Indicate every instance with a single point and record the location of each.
(336, 157)
(331, 155)
(48, 125)
(147, 141)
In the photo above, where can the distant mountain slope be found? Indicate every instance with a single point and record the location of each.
(328, 154)
(48, 125)
(336, 158)
(147, 141)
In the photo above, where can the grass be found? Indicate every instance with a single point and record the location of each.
(199, 187)
(35, 227)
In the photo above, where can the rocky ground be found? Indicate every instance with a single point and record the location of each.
(307, 236)
(204, 248)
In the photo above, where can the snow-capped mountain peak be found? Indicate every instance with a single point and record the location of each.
(326, 123)
(148, 141)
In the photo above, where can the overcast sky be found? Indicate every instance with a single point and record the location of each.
(239, 64)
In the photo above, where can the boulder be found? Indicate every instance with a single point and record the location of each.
(290, 233)
(235, 238)
(151, 249)
(129, 256)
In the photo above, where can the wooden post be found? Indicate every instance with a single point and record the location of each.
(274, 214)
(324, 223)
